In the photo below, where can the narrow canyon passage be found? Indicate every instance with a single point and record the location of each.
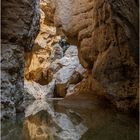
(70, 70)
(52, 67)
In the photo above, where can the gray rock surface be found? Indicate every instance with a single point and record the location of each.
(39, 91)
(60, 74)
(19, 28)
(65, 71)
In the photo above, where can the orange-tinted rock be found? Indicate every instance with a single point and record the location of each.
(60, 90)
(107, 34)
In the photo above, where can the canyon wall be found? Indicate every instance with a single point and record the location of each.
(20, 24)
(37, 60)
(106, 32)
(51, 70)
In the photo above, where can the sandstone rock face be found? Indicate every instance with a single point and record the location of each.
(67, 71)
(49, 61)
(38, 59)
(39, 91)
(19, 28)
(107, 33)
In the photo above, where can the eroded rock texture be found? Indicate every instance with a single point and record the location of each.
(107, 33)
(38, 59)
(62, 74)
(19, 29)
(51, 68)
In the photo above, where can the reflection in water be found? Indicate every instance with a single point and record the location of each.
(42, 122)
(46, 120)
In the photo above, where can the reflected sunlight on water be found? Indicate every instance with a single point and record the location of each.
(46, 120)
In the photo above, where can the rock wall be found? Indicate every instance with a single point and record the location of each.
(20, 24)
(107, 34)
(61, 75)
(37, 60)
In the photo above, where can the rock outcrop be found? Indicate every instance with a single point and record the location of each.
(61, 74)
(107, 34)
(37, 60)
(66, 71)
(50, 68)
(20, 24)
(105, 31)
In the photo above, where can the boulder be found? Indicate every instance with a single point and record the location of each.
(75, 78)
(60, 90)
(38, 91)
(71, 51)
(66, 70)
(43, 121)
(62, 80)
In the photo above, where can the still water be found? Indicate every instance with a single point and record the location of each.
(48, 120)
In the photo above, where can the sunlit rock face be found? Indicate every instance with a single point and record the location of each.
(107, 34)
(66, 71)
(60, 74)
(37, 60)
(38, 91)
(48, 61)
(19, 28)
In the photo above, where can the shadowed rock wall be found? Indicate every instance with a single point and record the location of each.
(107, 34)
(20, 24)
